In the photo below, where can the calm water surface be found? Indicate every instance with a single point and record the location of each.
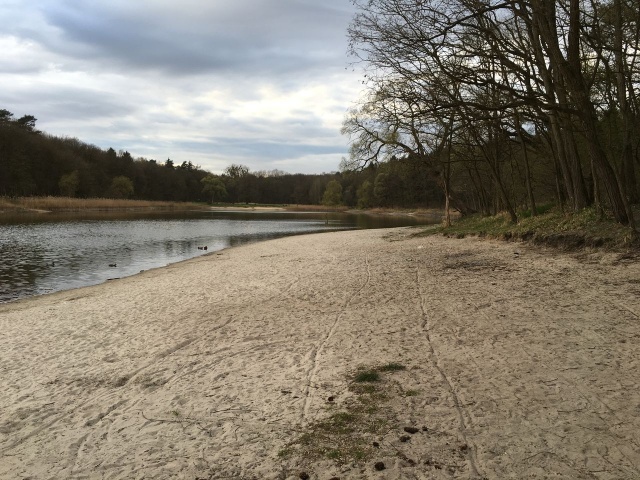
(51, 252)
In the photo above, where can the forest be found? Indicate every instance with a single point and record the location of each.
(476, 106)
(510, 106)
(33, 163)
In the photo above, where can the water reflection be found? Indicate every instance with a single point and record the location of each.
(51, 252)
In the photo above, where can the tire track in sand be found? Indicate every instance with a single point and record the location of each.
(317, 352)
(435, 360)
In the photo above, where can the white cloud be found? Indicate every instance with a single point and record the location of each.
(259, 82)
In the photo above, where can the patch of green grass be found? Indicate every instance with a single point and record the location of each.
(342, 455)
(348, 433)
(342, 437)
(410, 393)
(285, 452)
(392, 367)
(372, 410)
(341, 423)
(377, 425)
(364, 388)
(367, 376)
(334, 454)
(306, 439)
(359, 454)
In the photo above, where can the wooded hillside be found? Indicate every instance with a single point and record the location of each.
(506, 104)
(33, 163)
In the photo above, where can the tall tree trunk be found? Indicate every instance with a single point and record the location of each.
(527, 170)
(570, 70)
(447, 179)
(606, 174)
(579, 189)
(627, 162)
(558, 133)
(492, 162)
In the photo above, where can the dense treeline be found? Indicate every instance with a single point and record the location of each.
(398, 183)
(36, 164)
(506, 104)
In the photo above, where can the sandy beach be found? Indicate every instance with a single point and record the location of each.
(496, 360)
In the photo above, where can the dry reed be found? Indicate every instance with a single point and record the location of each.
(77, 204)
(315, 208)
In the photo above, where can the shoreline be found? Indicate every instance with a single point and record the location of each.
(519, 363)
(419, 212)
(97, 273)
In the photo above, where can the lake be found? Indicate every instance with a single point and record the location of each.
(44, 253)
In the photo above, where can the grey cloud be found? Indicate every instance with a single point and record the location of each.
(264, 150)
(20, 67)
(58, 104)
(217, 154)
(141, 75)
(247, 36)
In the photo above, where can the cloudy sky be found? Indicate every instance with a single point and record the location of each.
(264, 83)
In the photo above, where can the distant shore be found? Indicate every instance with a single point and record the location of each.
(69, 204)
(37, 205)
(479, 359)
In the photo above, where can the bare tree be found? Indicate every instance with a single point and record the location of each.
(497, 69)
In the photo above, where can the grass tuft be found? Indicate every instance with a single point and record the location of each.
(364, 388)
(367, 376)
(411, 393)
(392, 367)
